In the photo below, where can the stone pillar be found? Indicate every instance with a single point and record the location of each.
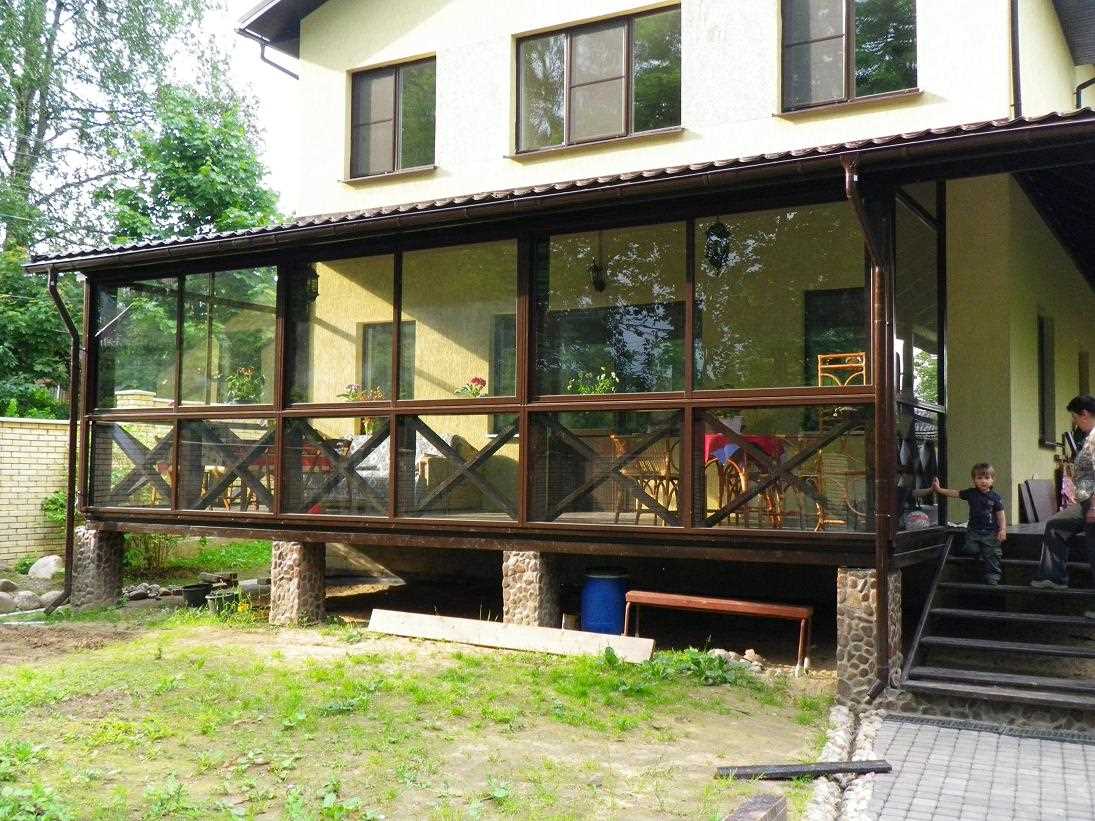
(530, 592)
(856, 646)
(297, 586)
(96, 568)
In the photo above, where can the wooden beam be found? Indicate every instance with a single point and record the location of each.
(509, 636)
(787, 772)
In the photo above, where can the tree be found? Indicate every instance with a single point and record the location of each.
(195, 170)
(77, 79)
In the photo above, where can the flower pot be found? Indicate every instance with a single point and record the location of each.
(194, 594)
(223, 602)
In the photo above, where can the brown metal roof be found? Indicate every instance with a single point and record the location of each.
(277, 23)
(954, 151)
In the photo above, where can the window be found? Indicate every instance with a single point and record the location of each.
(839, 50)
(392, 114)
(377, 358)
(1047, 428)
(600, 81)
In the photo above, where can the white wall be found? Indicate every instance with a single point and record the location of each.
(730, 94)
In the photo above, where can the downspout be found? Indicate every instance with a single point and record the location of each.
(1016, 76)
(73, 425)
(882, 335)
(262, 52)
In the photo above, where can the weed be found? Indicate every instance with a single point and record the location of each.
(35, 802)
(168, 799)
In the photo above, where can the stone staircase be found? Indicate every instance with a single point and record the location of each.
(1005, 652)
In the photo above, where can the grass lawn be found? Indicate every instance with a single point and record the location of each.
(184, 716)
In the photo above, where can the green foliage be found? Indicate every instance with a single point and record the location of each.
(55, 506)
(30, 401)
(587, 383)
(231, 556)
(33, 803)
(196, 169)
(147, 554)
(885, 40)
(23, 565)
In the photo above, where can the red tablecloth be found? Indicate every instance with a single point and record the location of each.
(713, 442)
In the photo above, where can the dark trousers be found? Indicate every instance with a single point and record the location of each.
(1059, 529)
(988, 547)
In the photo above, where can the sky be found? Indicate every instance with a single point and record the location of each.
(275, 96)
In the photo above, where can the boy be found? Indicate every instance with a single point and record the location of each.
(987, 528)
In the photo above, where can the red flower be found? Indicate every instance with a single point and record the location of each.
(478, 381)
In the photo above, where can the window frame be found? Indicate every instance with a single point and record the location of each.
(568, 33)
(1047, 387)
(397, 70)
(849, 52)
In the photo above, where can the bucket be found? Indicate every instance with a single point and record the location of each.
(603, 601)
(223, 601)
(194, 594)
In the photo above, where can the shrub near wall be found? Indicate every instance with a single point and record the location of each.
(33, 458)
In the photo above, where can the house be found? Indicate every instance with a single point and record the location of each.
(697, 279)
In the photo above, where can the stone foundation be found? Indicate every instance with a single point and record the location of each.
(96, 568)
(530, 589)
(297, 587)
(1013, 716)
(856, 639)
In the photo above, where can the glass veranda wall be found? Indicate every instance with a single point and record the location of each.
(706, 374)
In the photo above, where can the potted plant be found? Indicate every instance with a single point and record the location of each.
(589, 383)
(244, 386)
(473, 388)
(359, 393)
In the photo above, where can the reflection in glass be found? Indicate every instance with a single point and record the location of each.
(542, 91)
(339, 330)
(372, 123)
(337, 466)
(805, 20)
(605, 468)
(775, 292)
(131, 464)
(916, 307)
(226, 465)
(656, 70)
(417, 107)
(452, 296)
(455, 467)
(597, 82)
(609, 311)
(135, 323)
(919, 460)
(793, 468)
(813, 73)
(885, 46)
(228, 337)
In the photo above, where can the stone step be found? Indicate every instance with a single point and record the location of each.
(991, 646)
(1026, 589)
(1009, 616)
(1010, 695)
(996, 678)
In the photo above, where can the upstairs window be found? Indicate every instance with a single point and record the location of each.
(839, 50)
(392, 117)
(599, 81)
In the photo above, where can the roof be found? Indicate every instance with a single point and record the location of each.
(277, 23)
(954, 151)
(1078, 23)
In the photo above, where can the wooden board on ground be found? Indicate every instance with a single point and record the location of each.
(509, 636)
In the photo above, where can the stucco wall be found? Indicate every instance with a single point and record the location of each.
(1046, 67)
(32, 466)
(730, 89)
(1005, 269)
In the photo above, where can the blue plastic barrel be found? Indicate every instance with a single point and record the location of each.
(603, 601)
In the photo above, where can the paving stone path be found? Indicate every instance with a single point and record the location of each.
(942, 772)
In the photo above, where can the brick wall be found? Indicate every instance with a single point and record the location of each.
(33, 454)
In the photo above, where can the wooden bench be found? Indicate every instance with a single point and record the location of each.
(704, 604)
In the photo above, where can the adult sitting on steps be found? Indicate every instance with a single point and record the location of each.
(1053, 571)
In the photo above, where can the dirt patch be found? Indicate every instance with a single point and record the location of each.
(20, 644)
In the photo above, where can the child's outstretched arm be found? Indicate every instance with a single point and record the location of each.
(943, 491)
(1001, 526)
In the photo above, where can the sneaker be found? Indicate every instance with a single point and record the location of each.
(1047, 584)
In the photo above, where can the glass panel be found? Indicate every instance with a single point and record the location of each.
(452, 296)
(916, 308)
(609, 311)
(919, 460)
(227, 465)
(339, 330)
(597, 110)
(455, 467)
(885, 46)
(812, 20)
(778, 294)
(136, 351)
(372, 151)
(794, 468)
(132, 464)
(598, 54)
(925, 195)
(228, 337)
(542, 90)
(656, 71)
(373, 97)
(417, 105)
(378, 360)
(337, 466)
(813, 73)
(605, 467)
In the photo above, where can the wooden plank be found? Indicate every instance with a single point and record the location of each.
(1011, 695)
(1075, 685)
(707, 604)
(975, 587)
(787, 772)
(1062, 650)
(1004, 615)
(508, 636)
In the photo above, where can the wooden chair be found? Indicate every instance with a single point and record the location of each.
(838, 370)
(656, 470)
(1038, 499)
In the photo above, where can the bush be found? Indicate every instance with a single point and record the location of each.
(29, 401)
(147, 553)
(23, 565)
